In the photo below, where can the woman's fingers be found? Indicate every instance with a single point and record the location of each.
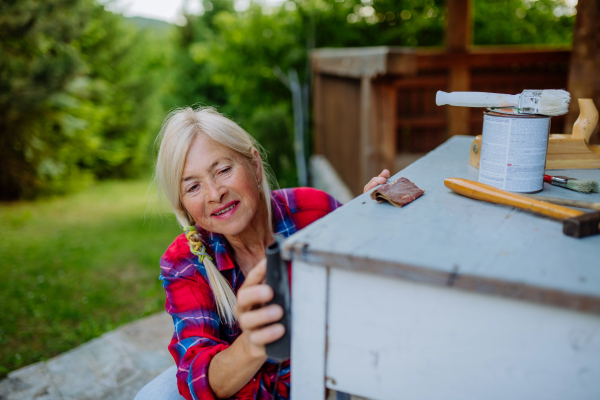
(374, 182)
(266, 335)
(256, 274)
(378, 180)
(253, 296)
(263, 316)
(385, 174)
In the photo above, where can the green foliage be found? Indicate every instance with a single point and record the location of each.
(76, 267)
(79, 96)
(271, 126)
(522, 22)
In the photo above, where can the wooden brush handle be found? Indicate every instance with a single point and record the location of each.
(480, 191)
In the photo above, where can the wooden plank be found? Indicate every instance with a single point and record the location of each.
(383, 128)
(421, 122)
(391, 339)
(459, 117)
(366, 61)
(366, 142)
(459, 25)
(443, 238)
(564, 152)
(340, 128)
(309, 307)
(435, 60)
(319, 116)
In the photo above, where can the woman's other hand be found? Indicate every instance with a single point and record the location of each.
(252, 317)
(378, 180)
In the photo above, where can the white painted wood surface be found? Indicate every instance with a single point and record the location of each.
(392, 339)
(442, 237)
(446, 298)
(309, 305)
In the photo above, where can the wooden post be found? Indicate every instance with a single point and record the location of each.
(383, 126)
(459, 26)
(584, 79)
(365, 128)
(318, 113)
(458, 38)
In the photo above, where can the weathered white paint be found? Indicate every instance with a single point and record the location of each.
(445, 232)
(393, 339)
(309, 306)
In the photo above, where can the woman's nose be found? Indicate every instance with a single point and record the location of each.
(216, 192)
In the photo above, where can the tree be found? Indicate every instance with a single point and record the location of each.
(79, 96)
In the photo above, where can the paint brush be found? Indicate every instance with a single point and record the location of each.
(545, 102)
(578, 185)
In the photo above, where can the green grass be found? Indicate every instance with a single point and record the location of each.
(76, 267)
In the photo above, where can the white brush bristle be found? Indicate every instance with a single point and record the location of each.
(583, 186)
(554, 102)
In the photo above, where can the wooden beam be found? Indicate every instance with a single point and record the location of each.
(459, 118)
(366, 145)
(459, 25)
(584, 79)
(319, 132)
(383, 127)
(490, 57)
(369, 61)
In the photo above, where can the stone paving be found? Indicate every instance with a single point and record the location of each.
(113, 366)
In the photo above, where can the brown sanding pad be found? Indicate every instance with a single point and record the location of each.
(399, 193)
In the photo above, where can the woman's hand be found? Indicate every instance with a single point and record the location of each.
(378, 180)
(252, 317)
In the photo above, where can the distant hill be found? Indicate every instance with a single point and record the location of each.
(149, 23)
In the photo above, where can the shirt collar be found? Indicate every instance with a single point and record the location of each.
(219, 248)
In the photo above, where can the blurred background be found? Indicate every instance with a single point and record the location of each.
(84, 87)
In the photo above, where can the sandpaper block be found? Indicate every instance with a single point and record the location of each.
(399, 193)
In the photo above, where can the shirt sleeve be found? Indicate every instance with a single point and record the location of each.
(196, 339)
(308, 205)
(197, 335)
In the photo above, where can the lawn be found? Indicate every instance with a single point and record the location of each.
(75, 267)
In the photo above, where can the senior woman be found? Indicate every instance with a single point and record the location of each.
(217, 183)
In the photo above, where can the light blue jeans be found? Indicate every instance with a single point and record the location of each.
(163, 387)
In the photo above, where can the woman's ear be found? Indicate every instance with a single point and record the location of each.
(257, 165)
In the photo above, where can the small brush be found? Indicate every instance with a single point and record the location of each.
(545, 102)
(578, 185)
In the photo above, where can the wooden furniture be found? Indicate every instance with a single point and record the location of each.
(376, 104)
(565, 151)
(445, 298)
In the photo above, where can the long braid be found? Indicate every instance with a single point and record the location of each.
(223, 294)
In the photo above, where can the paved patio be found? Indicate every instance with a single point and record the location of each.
(113, 366)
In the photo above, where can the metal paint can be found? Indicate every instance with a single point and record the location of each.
(513, 150)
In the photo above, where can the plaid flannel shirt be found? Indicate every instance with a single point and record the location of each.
(199, 334)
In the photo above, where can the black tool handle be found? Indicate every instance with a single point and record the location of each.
(277, 278)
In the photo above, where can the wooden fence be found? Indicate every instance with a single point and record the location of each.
(374, 106)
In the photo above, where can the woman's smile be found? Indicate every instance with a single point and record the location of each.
(226, 211)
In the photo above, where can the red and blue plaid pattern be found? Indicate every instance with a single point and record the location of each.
(199, 333)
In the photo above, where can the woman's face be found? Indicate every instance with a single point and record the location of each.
(219, 187)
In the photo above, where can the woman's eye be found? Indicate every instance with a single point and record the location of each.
(225, 170)
(192, 188)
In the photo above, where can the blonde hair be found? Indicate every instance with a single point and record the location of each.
(178, 131)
